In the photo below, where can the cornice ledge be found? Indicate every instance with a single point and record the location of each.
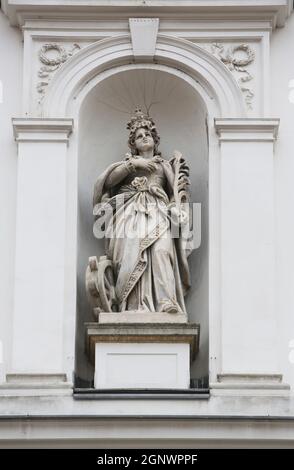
(19, 10)
(42, 130)
(247, 129)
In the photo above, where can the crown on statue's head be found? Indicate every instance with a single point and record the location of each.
(139, 120)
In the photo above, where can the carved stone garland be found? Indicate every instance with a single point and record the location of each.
(227, 56)
(51, 64)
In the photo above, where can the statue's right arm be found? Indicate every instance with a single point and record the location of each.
(118, 174)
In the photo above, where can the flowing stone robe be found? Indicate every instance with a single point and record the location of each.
(150, 266)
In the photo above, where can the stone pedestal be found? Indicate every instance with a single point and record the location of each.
(141, 351)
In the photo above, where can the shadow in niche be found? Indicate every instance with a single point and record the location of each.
(180, 116)
(200, 385)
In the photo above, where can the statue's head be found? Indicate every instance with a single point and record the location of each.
(138, 125)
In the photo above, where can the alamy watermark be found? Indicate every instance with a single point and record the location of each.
(291, 91)
(291, 353)
(141, 219)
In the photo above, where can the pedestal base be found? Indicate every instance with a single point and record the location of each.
(141, 355)
(142, 366)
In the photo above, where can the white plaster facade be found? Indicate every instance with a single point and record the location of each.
(207, 47)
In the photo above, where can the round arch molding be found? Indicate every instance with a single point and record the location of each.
(211, 78)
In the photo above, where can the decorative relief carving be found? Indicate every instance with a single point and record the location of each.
(52, 63)
(229, 56)
(237, 58)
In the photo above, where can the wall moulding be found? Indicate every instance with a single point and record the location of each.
(213, 77)
(250, 129)
(231, 42)
(42, 130)
(276, 11)
(243, 60)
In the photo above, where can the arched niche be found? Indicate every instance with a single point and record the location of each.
(181, 117)
(69, 93)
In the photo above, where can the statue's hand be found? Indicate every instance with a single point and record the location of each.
(141, 163)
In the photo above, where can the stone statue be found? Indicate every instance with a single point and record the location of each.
(139, 202)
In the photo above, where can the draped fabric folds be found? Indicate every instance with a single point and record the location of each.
(150, 266)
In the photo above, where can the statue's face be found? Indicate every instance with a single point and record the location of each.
(143, 140)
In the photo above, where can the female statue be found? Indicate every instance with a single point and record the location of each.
(139, 198)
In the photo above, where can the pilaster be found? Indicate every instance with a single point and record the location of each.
(38, 318)
(248, 317)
